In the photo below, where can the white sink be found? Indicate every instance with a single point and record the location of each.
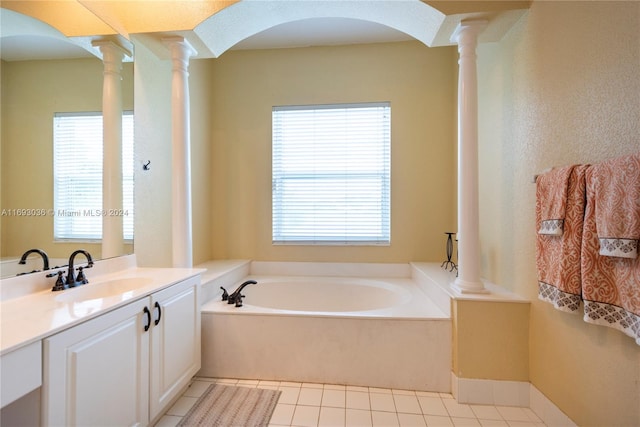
(106, 289)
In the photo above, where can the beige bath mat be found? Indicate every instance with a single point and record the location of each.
(230, 406)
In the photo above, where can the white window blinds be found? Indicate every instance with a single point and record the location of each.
(77, 176)
(331, 174)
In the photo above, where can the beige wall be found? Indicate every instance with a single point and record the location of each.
(32, 91)
(562, 87)
(491, 340)
(420, 84)
(152, 227)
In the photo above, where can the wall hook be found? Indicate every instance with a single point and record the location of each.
(146, 166)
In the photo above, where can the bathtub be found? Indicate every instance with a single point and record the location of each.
(363, 327)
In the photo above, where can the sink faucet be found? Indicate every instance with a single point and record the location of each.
(43, 254)
(236, 296)
(81, 279)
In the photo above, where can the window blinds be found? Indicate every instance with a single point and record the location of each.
(331, 174)
(77, 176)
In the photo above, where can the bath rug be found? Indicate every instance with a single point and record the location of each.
(231, 406)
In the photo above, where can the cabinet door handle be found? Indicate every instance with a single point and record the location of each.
(156, 305)
(148, 314)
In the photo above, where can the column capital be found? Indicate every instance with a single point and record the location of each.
(109, 46)
(179, 47)
(468, 28)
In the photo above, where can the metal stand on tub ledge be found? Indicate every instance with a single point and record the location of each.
(448, 264)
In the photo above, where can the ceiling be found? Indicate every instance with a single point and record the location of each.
(308, 32)
(17, 43)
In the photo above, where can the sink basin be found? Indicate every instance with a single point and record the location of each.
(104, 289)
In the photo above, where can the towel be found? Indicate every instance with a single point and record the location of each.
(558, 256)
(551, 194)
(616, 188)
(611, 284)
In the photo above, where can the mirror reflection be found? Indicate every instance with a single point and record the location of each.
(46, 78)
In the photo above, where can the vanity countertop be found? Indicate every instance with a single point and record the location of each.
(36, 315)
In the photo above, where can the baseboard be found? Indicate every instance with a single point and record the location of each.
(508, 393)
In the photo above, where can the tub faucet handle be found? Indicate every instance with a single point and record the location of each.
(239, 300)
(225, 294)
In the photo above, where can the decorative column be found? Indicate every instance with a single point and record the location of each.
(182, 239)
(112, 231)
(468, 280)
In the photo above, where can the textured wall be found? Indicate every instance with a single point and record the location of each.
(562, 87)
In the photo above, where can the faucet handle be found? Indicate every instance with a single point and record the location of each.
(81, 278)
(225, 294)
(60, 284)
(239, 300)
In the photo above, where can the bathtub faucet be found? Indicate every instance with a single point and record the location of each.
(236, 296)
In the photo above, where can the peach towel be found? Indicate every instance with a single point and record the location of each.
(616, 190)
(558, 256)
(551, 194)
(610, 276)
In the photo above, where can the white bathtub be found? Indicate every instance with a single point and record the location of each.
(355, 330)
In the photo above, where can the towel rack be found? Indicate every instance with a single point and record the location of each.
(535, 177)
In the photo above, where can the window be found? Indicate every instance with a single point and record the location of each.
(77, 176)
(331, 174)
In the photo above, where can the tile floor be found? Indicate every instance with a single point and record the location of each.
(308, 404)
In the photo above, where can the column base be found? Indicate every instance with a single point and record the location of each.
(466, 287)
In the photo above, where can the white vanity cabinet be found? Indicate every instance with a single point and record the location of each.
(123, 368)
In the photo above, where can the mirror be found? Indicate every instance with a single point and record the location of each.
(42, 73)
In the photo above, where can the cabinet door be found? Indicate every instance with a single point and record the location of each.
(96, 373)
(175, 342)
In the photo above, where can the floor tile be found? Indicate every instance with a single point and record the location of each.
(486, 412)
(310, 396)
(196, 388)
(465, 422)
(182, 406)
(168, 421)
(357, 400)
(358, 417)
(493, 423)
(290, 384)
(404, 392)
(407, 403)
(227, 381)
(380, 390)
(332, 417)
(382, 402)
(269, 383)
(289, 395)
(432, 406)
(411, 420)
(336, 405)
(283, 414)
(532, 415)
(384, 419)
(335, 387)
(456, 409)
(438, 421)
(512, 413)
(428, 393)
(312, 385)
(334, 398)
(306, 416)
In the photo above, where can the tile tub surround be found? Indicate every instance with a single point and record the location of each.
(332, 405)
(370, 347)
